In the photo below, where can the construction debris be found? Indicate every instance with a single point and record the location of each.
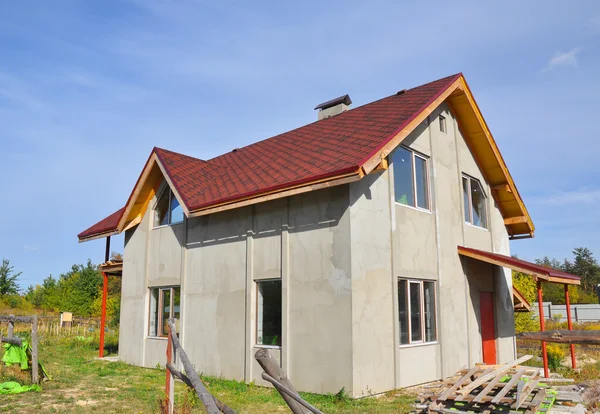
(508, 388)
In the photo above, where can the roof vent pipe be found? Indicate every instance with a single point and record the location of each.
(333, 107)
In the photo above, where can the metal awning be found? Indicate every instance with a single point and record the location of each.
(538, 272)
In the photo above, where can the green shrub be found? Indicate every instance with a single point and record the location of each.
(555, 356)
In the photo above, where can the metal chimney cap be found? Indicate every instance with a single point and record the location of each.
(344, 99)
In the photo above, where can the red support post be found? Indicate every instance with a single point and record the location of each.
(542, 328)
(103, 316)
(570, 325)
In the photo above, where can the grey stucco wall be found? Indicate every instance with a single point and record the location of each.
(339, 253)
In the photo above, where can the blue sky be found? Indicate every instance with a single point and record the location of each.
(88, 88)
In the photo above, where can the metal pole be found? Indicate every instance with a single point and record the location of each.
(107, 251)
(542, 327)
(570, 325)
(103, 316)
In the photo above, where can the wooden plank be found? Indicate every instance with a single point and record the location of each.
(515, 220)
(563, 337)
(508, 386)
(489, 388)
(461, 381)
(539, 398)
(527, 389)
(484, 378)
(34, 351)
(485, 372)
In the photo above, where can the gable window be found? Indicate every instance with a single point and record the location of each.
(268, 315)
(474, 200)
(164, 304)
(411, 178)
(167, 210)
(416, 311)
(442, 120)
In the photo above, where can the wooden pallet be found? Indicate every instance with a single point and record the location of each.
(484, 389)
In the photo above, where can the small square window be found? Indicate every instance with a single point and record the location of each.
(442, 120)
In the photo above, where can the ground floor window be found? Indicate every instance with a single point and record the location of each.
(164, 304)
(268, 315)
(416, 311)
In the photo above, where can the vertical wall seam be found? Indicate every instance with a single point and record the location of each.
(146, 291)
(285, 284)
(394, 277)
(462, 226)
(183, 282)
(437, 244)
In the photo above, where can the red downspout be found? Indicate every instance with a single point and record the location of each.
(570, 324)
(103, 317)
(542, 327)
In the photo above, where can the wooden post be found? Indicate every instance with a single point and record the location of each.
(11, 326)
(34, 350)
(570, 325)
(103, 317)
(542, 328)
(283, 390)
(272, 368)
(170, 382)
(205, 396)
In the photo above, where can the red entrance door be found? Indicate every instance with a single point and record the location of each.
(488, 330)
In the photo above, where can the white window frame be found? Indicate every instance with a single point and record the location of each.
(442, 123)
(160, 301)
(169, 218)
(421, 283)
(469, 211)
(415, 154)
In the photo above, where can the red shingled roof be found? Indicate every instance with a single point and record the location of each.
(328, 148)
(515, 263)
(107, 225)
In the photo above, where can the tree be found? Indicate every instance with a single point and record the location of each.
(585, 266)
(8, 279)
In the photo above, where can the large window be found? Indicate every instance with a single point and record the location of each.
(167, 210)
(268, 315)
(416, 311)
(165, 303)
(474, 201)
(411, 178)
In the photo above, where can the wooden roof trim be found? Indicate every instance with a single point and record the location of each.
(510, 186)
(286, 192)
(523, 304)
(374, 161)
(550, 278)
(126, 221)
(501, 263)
(98, 236)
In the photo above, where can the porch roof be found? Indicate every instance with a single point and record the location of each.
(538, 272)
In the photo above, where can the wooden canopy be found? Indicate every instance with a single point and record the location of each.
(521, 304)
(538, 272)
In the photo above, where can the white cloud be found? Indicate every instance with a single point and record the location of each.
(564, 59)
(28, 248)
(594, 24)
(564, 198)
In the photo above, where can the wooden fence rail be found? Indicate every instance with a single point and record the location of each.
(11, 339)
(212, 404)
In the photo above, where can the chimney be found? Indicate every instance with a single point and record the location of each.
(333, 107)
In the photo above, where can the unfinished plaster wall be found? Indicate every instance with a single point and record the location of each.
(320, 291)
(217, 259)
(424, 246)
(372, 286)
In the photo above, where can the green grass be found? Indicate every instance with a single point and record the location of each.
(81, 383)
